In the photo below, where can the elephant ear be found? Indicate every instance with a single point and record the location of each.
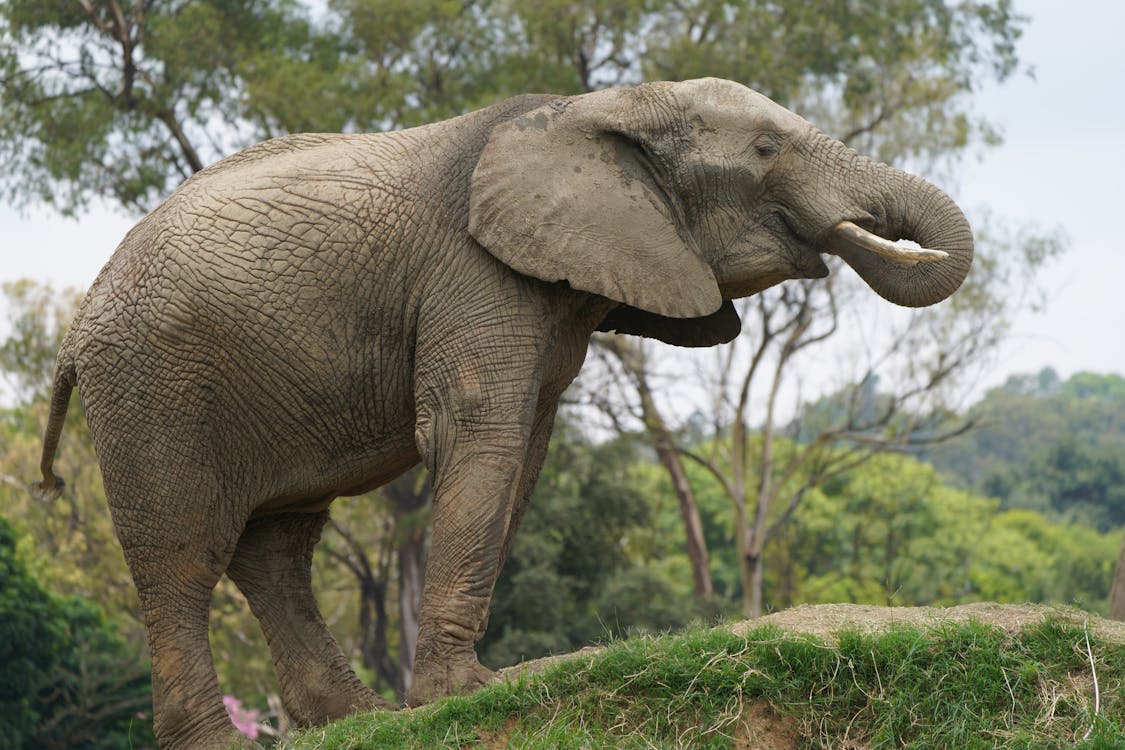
(719, 327)
(569, 191)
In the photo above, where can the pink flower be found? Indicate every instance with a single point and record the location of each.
(245, 719)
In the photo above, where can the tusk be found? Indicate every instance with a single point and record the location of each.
(904, 256)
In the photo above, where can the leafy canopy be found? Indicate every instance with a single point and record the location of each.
(66, 678)
(1046, 444)
(122, 99)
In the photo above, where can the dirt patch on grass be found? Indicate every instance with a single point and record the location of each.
(538, 665)
(498, 740)
(762, 728)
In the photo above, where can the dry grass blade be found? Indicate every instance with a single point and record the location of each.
(1094, 675)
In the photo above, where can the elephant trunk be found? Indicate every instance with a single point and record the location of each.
(915, 210)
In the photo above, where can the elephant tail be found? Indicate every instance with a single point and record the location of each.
(52, 485)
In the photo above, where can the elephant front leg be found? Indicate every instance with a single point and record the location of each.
(473, 501)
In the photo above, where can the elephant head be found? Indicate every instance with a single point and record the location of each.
(675, 198)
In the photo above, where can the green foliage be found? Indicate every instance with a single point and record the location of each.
(124, 106)
(30, 632)
(37, 318)
(966, 685)
(1025, 557)
(67, 679)
(888, 532)
(893, 532)
(901, 68)
(1047, 445)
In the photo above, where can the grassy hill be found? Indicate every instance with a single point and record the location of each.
(830, 676)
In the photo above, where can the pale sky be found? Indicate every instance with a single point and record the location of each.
(1062, 164)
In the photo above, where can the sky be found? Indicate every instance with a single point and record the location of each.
(1062, 164)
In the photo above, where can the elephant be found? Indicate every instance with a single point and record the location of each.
(316, 314)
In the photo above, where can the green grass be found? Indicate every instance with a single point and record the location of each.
(962, 686)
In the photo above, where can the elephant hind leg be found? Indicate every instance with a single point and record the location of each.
(272, 567)
(175, 561)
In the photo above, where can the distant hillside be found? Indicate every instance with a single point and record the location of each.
(976, 676)
(1049, 445)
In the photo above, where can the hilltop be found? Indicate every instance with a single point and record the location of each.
(980, 675)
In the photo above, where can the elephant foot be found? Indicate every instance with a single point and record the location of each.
(322, 702)
(452, 677)
(242, 742)
(229, 738)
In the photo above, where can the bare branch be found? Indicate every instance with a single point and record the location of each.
(189, 153)
(712, 468)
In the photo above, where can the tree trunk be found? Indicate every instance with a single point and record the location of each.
(746, 559)
(1117, 592)
(689, 512)
(372, 576)
(373, 631)
(756, 544)
(753, 607)
(410, 496)
(411, 572)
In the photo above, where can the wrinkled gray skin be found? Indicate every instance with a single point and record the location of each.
(312, 316)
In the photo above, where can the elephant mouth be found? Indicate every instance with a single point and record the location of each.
(806, 259)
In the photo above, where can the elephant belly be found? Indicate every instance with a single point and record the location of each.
(376, 470)
(351, 435)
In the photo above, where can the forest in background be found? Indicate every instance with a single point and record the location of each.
(679, 487)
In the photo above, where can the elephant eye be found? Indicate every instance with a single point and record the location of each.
(767, 150)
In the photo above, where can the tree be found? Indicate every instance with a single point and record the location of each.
(31, 632)
(895, 531)
(1050, 445)
(123, 99)
(901, 97)
(888, 532)
(1026, 557)
(68, 680)
(382, 542)
(151, 92)
(1053, 446)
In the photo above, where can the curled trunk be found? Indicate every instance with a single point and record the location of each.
(914, 210)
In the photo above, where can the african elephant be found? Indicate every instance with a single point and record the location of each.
(312, 316)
